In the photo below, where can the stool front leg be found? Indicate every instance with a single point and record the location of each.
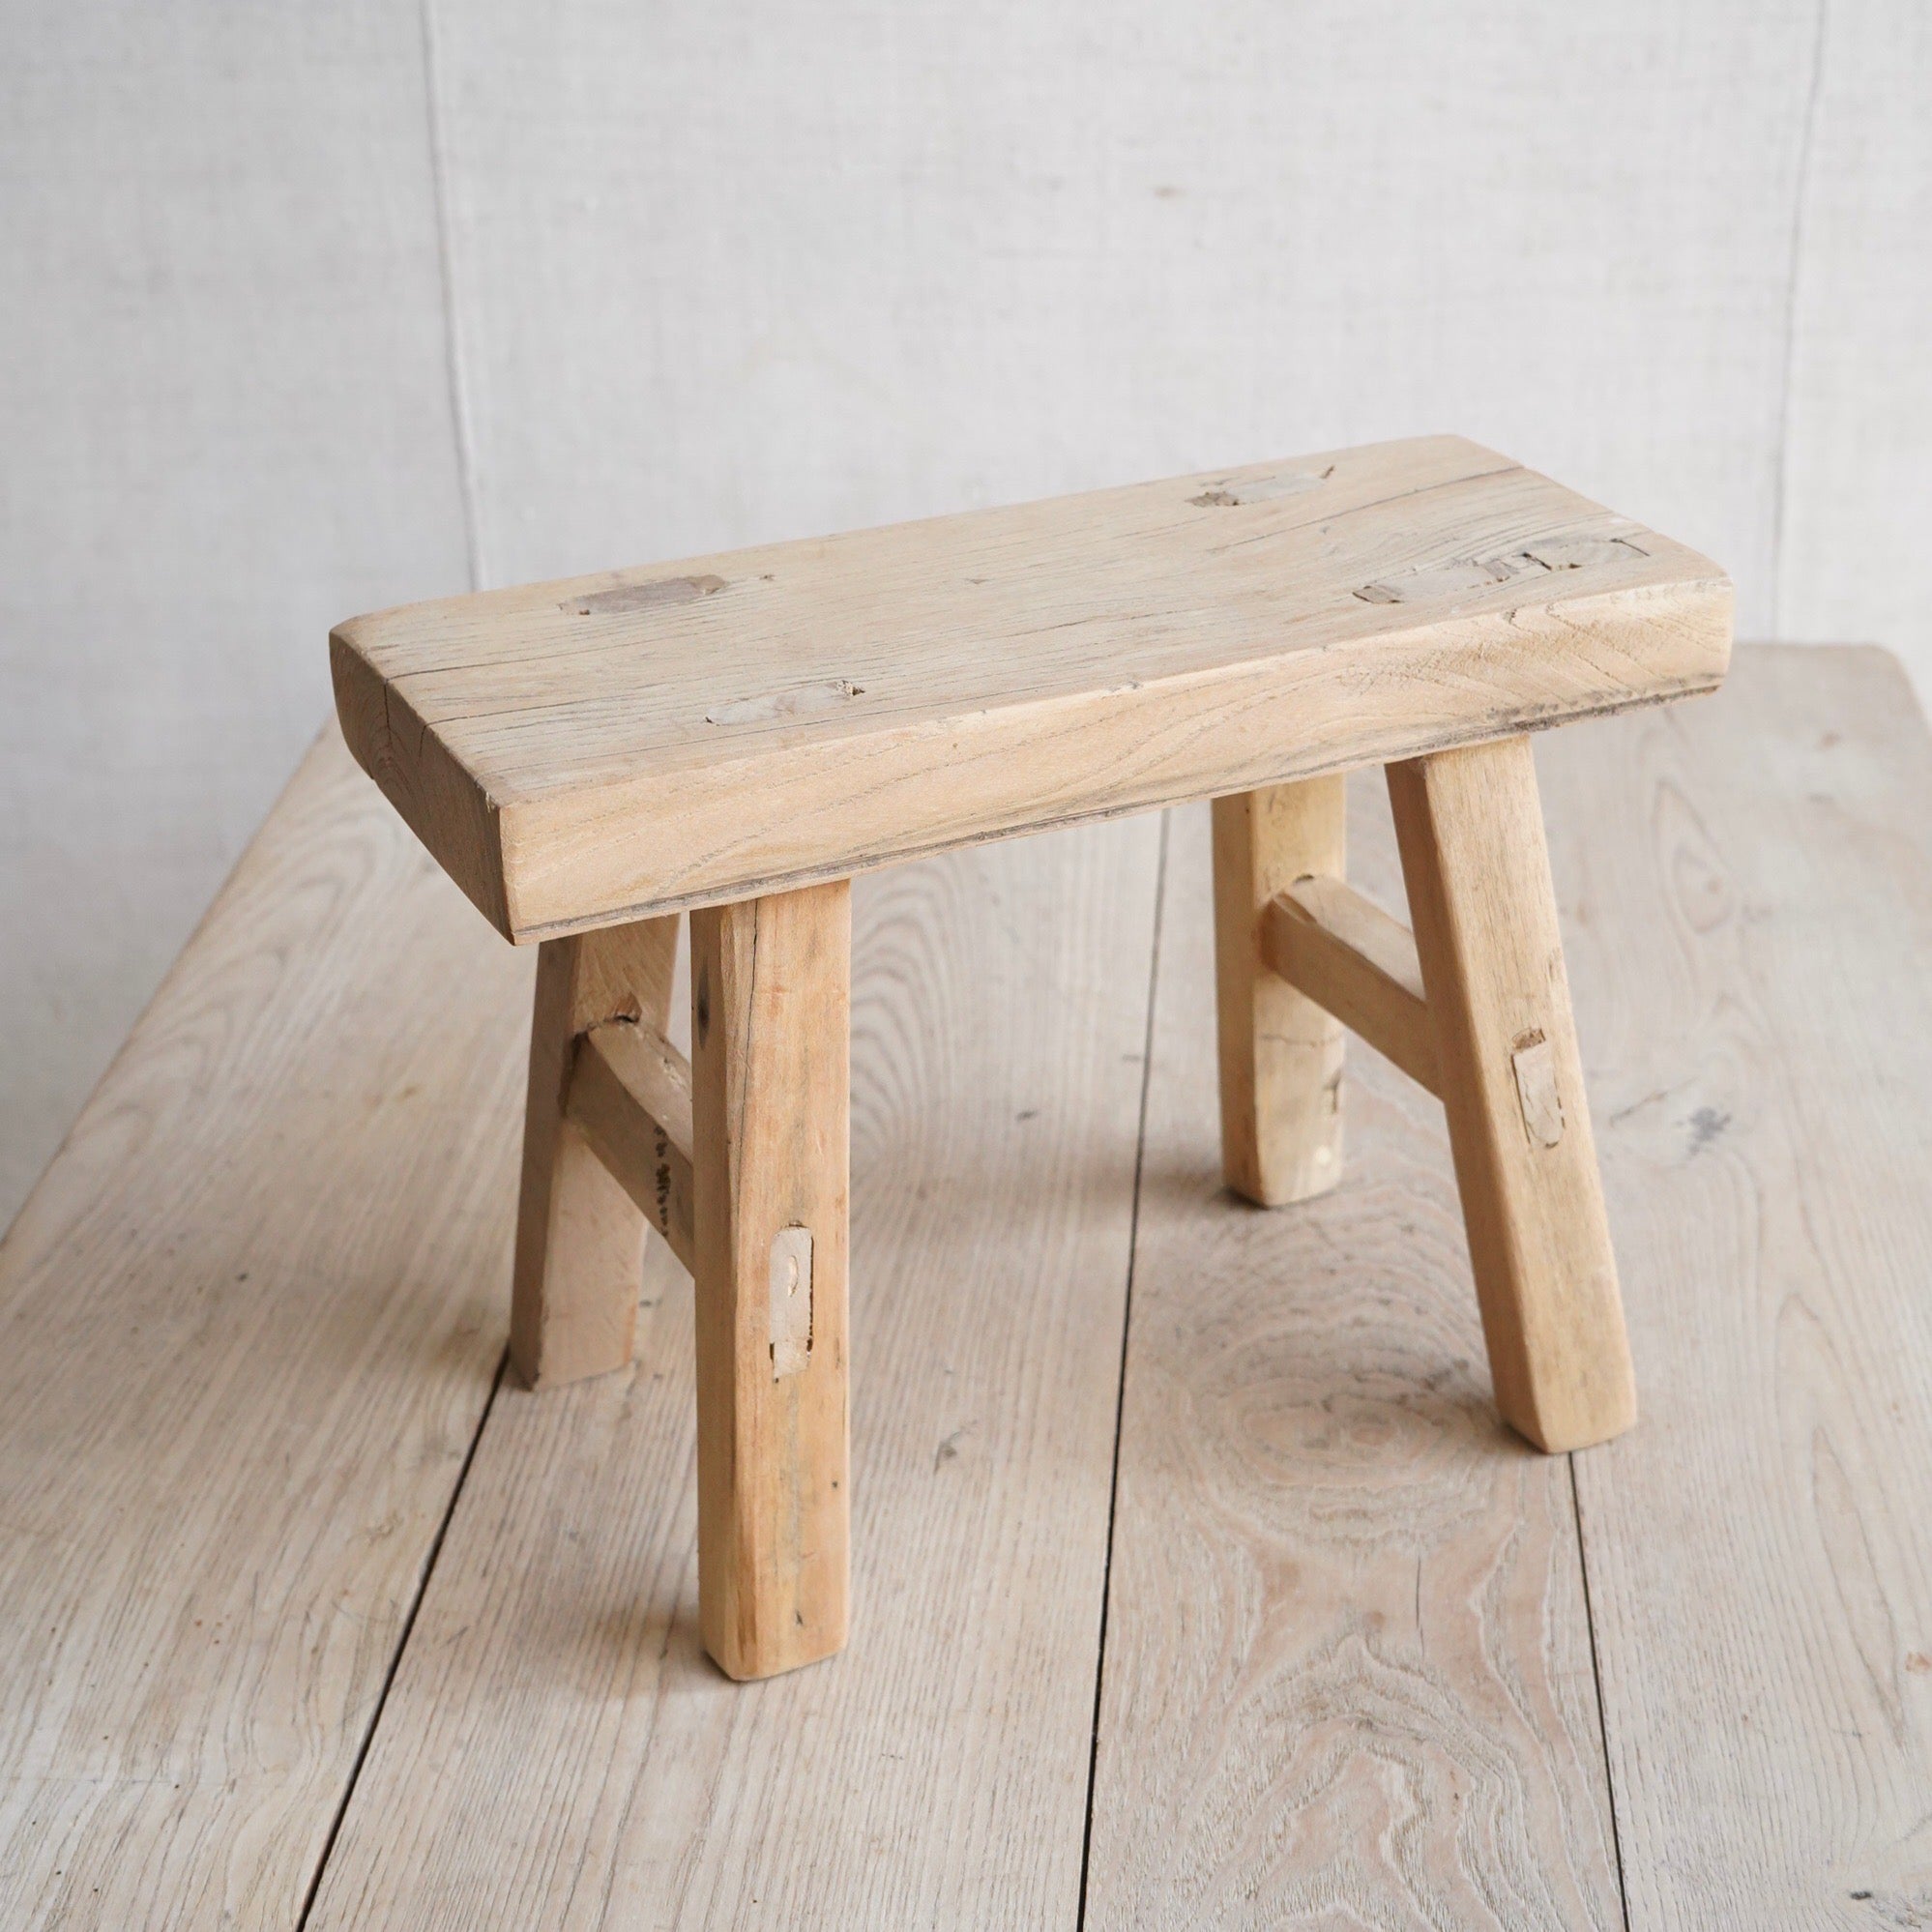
(1470, 833)
(1280, 1053)
(771, 1031)
(580, 1236)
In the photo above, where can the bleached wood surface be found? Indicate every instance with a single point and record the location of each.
(599, 749)
(1348, 1672)
(251, 1319)
(557, 1751)
(1748, 962)
(1351, 1669)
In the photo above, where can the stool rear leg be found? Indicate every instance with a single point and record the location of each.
(580, 1236)
(771, 999)
(1280, 1053)
(1470, 833)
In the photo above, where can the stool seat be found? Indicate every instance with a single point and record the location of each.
(610, 748)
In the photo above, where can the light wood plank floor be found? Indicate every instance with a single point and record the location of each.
(1195, 1583)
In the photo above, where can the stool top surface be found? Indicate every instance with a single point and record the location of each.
(611, 746)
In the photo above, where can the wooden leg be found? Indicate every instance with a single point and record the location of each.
(770, 997)
(580, 1236)
(1470, 833)
(1281, 1055)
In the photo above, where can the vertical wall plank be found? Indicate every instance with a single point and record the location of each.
(223, 383)
(728, 279)
(1853, 562)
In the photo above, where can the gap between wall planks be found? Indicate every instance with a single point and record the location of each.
(557, 1751)
(1748, 952)
(253, 1314)
(1347, 1671)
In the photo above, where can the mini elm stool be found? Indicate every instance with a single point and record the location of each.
(735, 737)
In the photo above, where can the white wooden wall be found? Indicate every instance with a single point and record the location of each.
(304, 310)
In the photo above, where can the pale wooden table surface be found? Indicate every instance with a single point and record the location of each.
(1194, 1582)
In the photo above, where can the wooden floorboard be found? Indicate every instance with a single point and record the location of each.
(251, 1316)
(1750, 953)
(557, 1751)
(1348, 1671)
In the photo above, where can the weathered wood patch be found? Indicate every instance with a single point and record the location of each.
(660, 591)
(806, 700)
(1261, 489)
(1480, 573)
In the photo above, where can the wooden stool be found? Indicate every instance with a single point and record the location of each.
(737, 736)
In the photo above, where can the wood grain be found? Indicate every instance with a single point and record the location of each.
(254, 1307)
(252, 1315)
(1358, 962)
(579, 1235)
(1749, 960)
(557, 1751)
(602, 748)
(1475, 860)
(1279, 1054)
(1347, 1676)
(770, 1155)
(631, 1095)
